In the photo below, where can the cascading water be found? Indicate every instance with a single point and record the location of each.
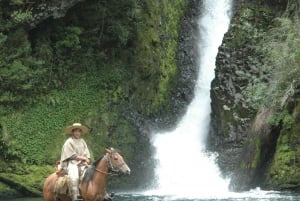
(184, 168)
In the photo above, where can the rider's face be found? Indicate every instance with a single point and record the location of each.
(76, 133)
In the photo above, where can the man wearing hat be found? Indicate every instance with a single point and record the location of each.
(74, 154)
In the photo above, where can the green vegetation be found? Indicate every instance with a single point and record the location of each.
(25, 178)
(156, 65)
(271, 58)
(283, 119)
(251, 25)
(281, 49)
(89, 66)
(249, 30)
(284, 172)
(253, 158)
(279, 92)
(282, 58)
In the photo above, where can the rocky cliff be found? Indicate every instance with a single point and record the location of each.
(254, 119)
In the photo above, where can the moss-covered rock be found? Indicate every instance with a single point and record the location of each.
(6, 191)
(23, 179)
(284, 171)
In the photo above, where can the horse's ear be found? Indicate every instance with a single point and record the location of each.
(107, 150)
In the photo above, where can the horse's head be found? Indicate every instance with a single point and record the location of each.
(116, 162)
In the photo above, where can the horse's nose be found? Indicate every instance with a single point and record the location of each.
(127, 172)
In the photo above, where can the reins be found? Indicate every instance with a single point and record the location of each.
(107, 173)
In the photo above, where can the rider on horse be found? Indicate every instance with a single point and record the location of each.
(75, 154)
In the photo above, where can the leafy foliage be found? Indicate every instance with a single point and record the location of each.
(251, 24)
(283, 56)
(272, 64)
(25, 133)
(71, 56)
(20, 73)
(292, 9)
(85, 67)
(20, 16)
(284, 170)
(283, 119)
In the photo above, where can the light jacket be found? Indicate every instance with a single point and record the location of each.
(72, 148)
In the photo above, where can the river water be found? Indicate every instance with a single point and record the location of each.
(255, 195)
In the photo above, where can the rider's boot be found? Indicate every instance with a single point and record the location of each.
(74, 191)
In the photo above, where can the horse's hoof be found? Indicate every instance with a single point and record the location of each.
(108, 197)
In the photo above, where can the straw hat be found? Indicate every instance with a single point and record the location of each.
(83, 129)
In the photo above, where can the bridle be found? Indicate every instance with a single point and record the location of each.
(113, 170)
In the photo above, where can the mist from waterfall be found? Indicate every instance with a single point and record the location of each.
(184, 167)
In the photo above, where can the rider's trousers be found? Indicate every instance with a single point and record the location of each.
(73, 180)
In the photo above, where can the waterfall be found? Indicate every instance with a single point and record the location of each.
(184, 167)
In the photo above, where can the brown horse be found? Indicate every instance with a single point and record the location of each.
(94, 180)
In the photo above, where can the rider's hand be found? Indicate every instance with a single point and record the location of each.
(86, 162)
(83, 159)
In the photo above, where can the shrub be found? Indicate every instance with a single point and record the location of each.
(283, 119)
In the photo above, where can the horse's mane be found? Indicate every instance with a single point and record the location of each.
(90, 171)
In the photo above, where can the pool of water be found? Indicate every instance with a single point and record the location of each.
(249, 196)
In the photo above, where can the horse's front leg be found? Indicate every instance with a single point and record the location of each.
(92, 196)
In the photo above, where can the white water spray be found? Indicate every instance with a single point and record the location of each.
(184, 168)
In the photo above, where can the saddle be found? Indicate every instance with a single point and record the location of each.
(61, 183)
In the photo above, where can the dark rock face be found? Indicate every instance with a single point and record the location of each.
(231, 116)
(187, 54)
(46, 9)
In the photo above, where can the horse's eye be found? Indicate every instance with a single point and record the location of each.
(115, 159)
